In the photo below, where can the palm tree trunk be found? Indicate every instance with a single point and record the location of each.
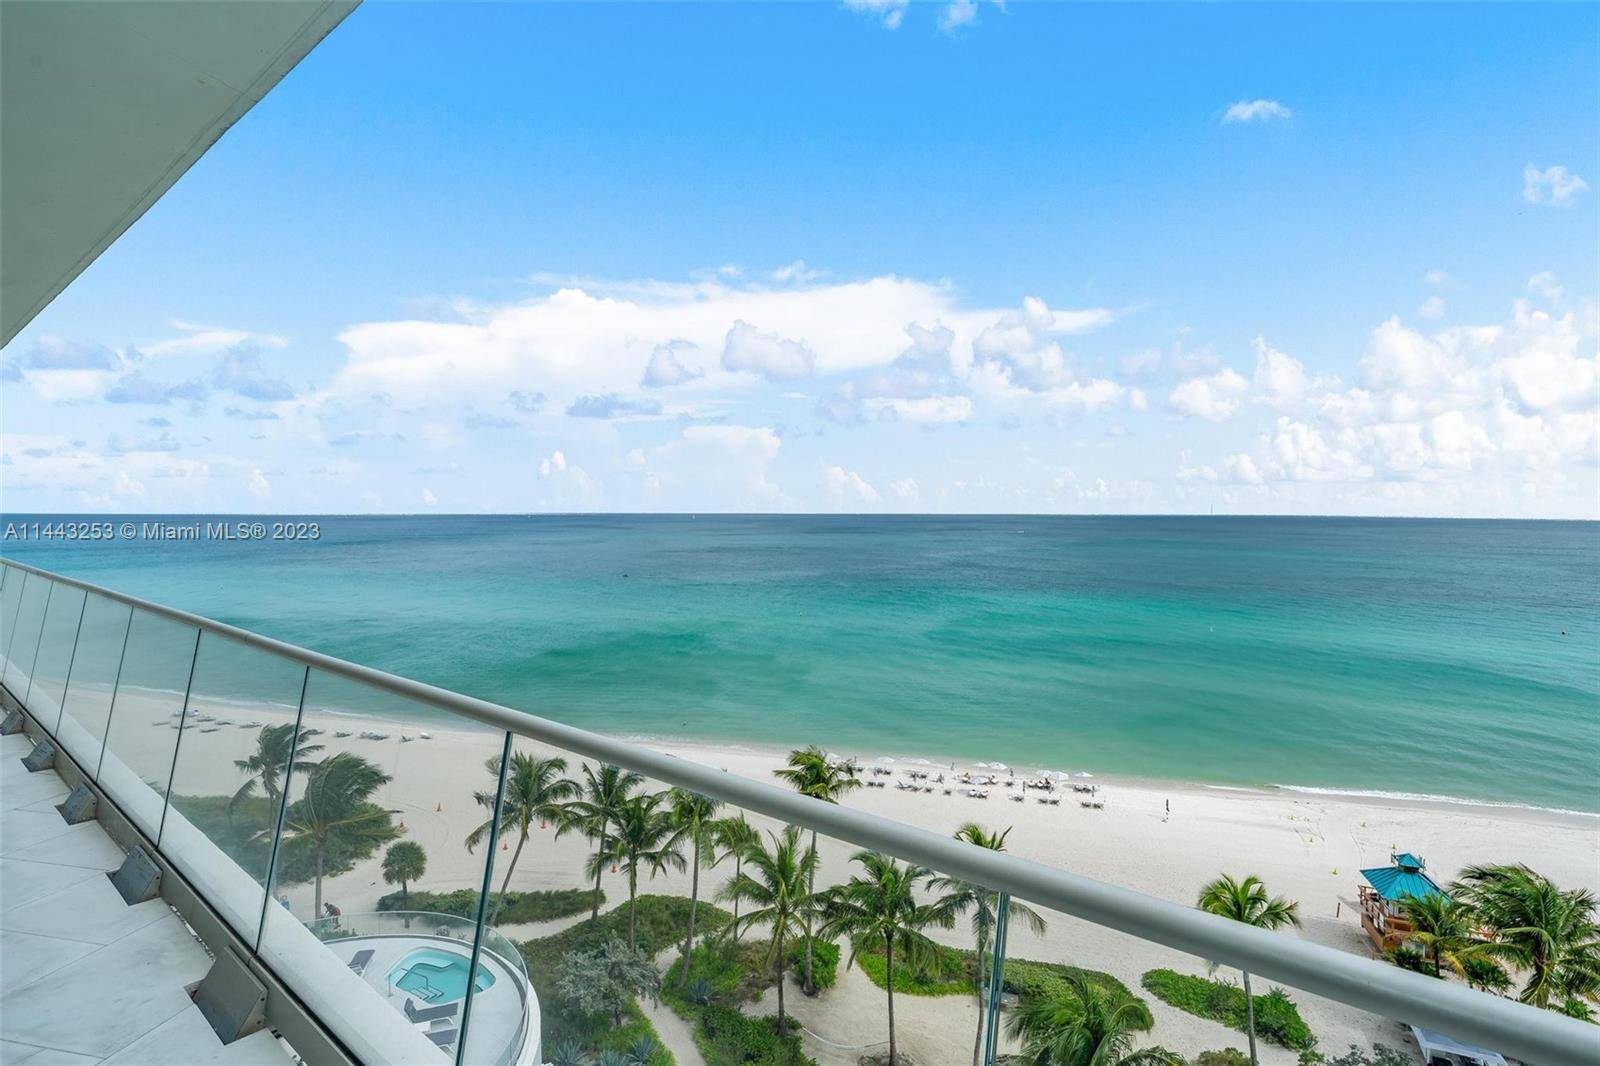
(512, 865)
(808, 985)
(983, 944)
(694, 902)
(738, 867)
(600, 863)
(783, 1026)
(888, 951)
(1250, 1017)
(405, 905)
(633, 892)
(317, 895)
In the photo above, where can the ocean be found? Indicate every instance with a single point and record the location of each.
(1417, 657)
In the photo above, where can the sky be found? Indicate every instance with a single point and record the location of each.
(866, 257)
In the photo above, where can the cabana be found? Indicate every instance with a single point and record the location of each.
(1440, 1049)
(1381, 913)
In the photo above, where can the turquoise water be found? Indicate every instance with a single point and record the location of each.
(1453, 658)
(436, 976)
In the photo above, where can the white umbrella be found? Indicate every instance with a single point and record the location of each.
(998, 766)
(1081, 773)
(884, 760)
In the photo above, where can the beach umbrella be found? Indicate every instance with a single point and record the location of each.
(998, 766)
(884, 760)
(1081, 773)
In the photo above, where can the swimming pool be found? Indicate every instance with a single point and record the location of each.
(436, 976)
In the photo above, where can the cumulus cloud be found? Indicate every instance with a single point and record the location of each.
(768, 354)
(1555, 186)
(846, 488)
(240, 371)
(666, 369)
(720, 467)
(1431, 308)
(195, 339)
(1255, 111)
(957, 14)
(1215, 397)
(1543, 284)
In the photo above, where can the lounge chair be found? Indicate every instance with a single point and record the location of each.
(359, 961)
(428, 1014)
(443, 1037)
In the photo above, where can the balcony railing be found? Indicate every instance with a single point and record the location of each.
(275, 780)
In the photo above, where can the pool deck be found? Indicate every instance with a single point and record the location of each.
(497, 1012)
(85, 978)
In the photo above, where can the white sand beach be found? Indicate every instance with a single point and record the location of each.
(1307, 847)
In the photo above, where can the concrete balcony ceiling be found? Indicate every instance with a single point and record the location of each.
(105, 104)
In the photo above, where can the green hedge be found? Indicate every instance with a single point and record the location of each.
(824, 962)
(518, 907)
(1277, 1018)
(726, 1037)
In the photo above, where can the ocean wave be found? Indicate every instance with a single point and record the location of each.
(1426, 797)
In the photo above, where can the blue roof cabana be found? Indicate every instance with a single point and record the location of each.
(1381, 915)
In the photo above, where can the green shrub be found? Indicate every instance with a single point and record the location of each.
(1226, 1057)
(824, 962)
(519, 906)
(728, 1038)
(1277, 1019)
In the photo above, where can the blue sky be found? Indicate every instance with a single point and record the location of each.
(862, 257)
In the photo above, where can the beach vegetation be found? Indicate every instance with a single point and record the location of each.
(1087, 1026)
(334, 824)
(1548, 935)
(645, 837)
(1246, 901)
(1446, 931)
(962, 897)
(812, 773)
(694, 819)
(776, 884)
(1275, 1015)
(543, 905)
(534, 791)
(733, 837)
(1380, 1055)
(726, 1036)
(604, 978)
(403, 863)
(268, 765)
(595, 813)
(1231, 1056)
(880, 908)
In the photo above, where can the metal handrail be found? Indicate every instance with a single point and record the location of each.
(1512, 1028)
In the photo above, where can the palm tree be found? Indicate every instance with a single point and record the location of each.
(269, 765)
(958, 896)
(336, 816)
(1550, 934)
(1446, 928)
(604, 793)
(644, 835)
(734, 837)
(402, 863)
(1088, 1026)
(881, 908)
(776, 882)
(534, 791)
(813, 774)
(693, 817)
(1246, 901)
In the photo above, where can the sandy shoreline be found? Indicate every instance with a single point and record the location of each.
(1307, 846)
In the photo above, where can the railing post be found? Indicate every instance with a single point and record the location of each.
(997, 967)
(116, 683)
(177, 745)
(483, 899)
(283, 807)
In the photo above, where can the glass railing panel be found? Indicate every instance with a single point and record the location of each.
(146, 713)
(24, 641)
(10, 604)
(57, 641)
(228, 777)
(86, 707)
(378, 873)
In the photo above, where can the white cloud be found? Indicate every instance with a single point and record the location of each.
(666, 368)
(429, 499)
(1438, 279)
(1280, 380)
(1255, 111)
(1544, 284)
(1215, 398)
(1555, 186)
(718, 468)
(1431, 308)
(889, 12)
(846, 488)
(552, 464)
(957, 14)
(906, 490)
(196, 339)
(924, 410)
(767, 354)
